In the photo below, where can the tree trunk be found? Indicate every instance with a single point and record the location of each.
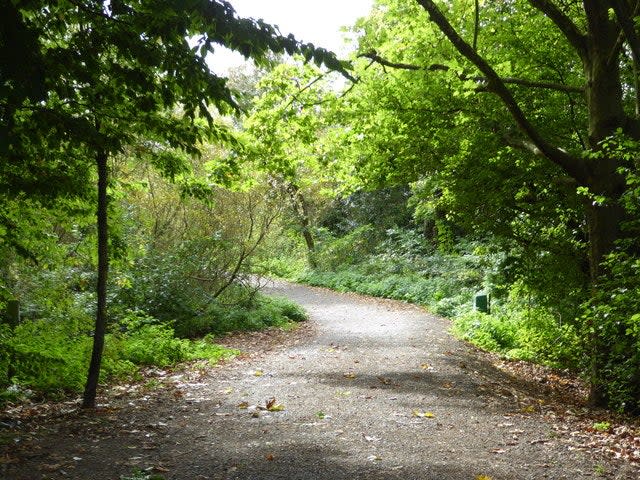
(604, 212)
(300, 207)
(89, 398)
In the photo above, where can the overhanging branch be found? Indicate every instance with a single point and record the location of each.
(572, 165)
(569, 29)
(373, 56)
(625, 20)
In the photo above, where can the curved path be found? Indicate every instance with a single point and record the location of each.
(378, 390)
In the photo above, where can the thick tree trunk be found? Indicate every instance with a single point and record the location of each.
(604, 212)
(89, 398)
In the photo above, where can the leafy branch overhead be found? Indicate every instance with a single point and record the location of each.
(482, 82)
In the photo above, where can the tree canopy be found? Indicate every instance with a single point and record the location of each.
(516, 120)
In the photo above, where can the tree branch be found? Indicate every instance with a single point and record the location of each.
(572, 165)
(510, 80)
(569, 29)
(476, 26)
(625, 20)
(538, 84)
(373, 55)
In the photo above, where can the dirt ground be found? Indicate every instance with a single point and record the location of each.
(367, 389)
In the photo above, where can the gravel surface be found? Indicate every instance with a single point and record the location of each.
(369, 389)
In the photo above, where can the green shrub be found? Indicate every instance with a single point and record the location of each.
(288, 309)
(254, 313)
(533, 335)
(51, 357)
(486, 331)
(152, 345)
(48, 356)
(347, 250)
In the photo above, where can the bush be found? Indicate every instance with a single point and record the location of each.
(288, 309)
(261, 312)
(486, 331)
(533, 335)
(611, 329)
(46, 356)
(347, 250)
(52, 357)
(152, 345)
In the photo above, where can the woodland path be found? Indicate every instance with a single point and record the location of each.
(351, 382)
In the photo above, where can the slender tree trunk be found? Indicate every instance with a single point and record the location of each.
(89, 398)
(300, 207)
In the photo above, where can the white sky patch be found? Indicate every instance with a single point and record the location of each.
(318, 22)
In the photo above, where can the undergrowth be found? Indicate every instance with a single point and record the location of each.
(50, 356)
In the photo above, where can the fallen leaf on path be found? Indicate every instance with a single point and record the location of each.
(349, 375)
(343, 393)
(272, 406)
(258, 373)
(426, 366)
(269, 457)
(421, 414)
(498, 450)
(243, 405)
(483, 477)
(540, 440)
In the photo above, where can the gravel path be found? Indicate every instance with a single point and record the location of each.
(374, 389)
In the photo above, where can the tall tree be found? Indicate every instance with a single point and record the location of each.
(599, 46)
(82, 79)
(604, 43)
(525, 123)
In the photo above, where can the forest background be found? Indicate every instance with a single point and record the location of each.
(467, 146)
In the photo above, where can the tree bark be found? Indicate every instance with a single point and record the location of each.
(93, 376)
(606, 116)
